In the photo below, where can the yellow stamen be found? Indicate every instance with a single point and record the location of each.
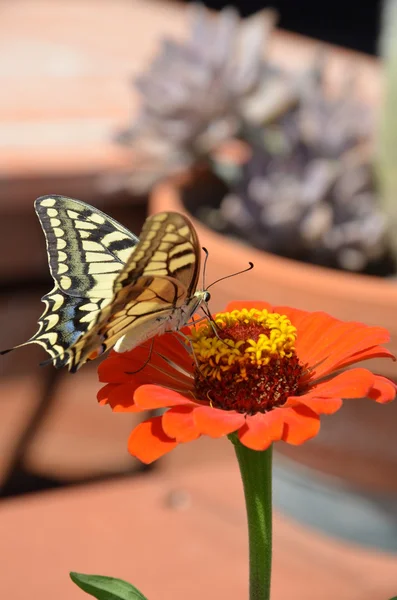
(245, 336)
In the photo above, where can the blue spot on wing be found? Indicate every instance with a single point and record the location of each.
(70, 327)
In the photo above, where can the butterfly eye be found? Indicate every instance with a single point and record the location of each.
(206, 296)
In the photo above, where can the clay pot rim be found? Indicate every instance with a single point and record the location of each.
(377, 290)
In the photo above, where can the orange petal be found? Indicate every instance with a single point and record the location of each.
(215, 422)
(374, 352)
(321, 341)
(121, 397)
(327, 343)
(355, 383)
(248, 304)
(316, 333)
(173, 347)
(321, 406)
(362, 344)
(113, 369)
(300, 424)
(167, 376)
(120, 367)
(103, 394)
(179, 424)
(309, 324)
(260, 430)
(148, 397)
(383, 390)
(157, 370)
(295, 315)
(148, 442)
(353, 352)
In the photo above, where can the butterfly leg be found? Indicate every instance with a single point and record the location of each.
(193, 322)
(189, 342)
(212, 323)
(146, 361)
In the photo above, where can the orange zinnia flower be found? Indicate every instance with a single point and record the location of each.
(265, 373)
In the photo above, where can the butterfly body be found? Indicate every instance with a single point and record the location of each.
(110, 287)
(172, 320)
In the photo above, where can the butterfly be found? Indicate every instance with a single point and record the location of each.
(111, 288)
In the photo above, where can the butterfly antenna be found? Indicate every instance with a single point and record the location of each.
(251, 266)
(205, 265)
(206, 310)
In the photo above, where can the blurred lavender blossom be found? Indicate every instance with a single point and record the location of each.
(303, 186)
(199, 93)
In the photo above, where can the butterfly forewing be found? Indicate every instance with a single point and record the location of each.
(157, 281)
(168, 247)
(86, 248)
(149, 303)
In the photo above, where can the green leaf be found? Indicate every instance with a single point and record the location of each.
(106, 588)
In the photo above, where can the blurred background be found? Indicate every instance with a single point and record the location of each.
(335, 22)
(66, 70)
(67, 108)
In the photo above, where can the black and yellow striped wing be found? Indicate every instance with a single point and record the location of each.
(154, 292)
(109, 286)
(168, 247)
(86, 250)
(164, 273)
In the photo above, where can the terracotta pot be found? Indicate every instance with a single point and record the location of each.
(358, 445)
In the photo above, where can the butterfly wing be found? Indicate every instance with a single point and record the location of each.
(168, 247)
(150, 290)
(86, 251)
(86, 248)
(108, 283)
(64, 320)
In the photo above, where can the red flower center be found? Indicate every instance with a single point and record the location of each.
(250, 364)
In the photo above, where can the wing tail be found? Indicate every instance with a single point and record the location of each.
(62, 324)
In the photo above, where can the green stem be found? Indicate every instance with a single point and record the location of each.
(256, 474)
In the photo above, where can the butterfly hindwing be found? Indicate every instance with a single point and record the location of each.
(64, 320)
